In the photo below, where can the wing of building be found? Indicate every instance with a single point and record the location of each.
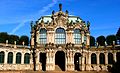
(58, 42)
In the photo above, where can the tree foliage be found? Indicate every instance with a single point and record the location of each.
(110, 39)
(24, 39)
(92, 41)
(118, 35)
(3, 37)
(101, 40)
(13, 38)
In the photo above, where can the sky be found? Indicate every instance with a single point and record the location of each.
(16, 15)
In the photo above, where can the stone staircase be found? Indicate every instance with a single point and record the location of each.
(57, 68)
(53, 72)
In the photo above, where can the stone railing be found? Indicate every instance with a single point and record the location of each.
(16, 67)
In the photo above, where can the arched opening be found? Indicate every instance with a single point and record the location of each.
(2, 57)
(60, 60)
(110, 58)
(10, 58)
(77, 36)
(18, 58)
(26, 58)
(118, 56)
(42, 59)
(60, 36)
(43, 36)
(93, 58)
(77, 61)
(102, 58)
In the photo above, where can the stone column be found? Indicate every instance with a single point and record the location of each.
(22, 58)
(83, 63)
(14, 58)
(88, 39)
(114, 56)
(37, 57)
(106, 58)
(5, 59)
(98, 59)
(82, 36)
(69, 37)
(50, 36)
(38, 36)
(31, 58)
(88, 62)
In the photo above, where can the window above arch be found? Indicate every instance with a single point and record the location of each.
(77, 36)
(43, 36)
(60, 36)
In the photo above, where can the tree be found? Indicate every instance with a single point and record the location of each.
(110, 39)
(101, 40)
(118, 35)
(3, 37)
(92, 41)
(24, 39)
(13, 38)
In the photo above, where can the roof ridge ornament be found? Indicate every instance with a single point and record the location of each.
(60, 7)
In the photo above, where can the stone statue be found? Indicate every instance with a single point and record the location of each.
(60, 7)
(88, 25)
(53, 12)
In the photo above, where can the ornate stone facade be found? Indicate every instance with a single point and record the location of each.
(60, 42)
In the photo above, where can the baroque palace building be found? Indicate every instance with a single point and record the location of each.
(58, 42)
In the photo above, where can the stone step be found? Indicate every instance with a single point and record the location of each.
(57, 68)
(53, 72)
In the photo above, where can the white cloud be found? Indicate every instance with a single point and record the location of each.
(45, 8)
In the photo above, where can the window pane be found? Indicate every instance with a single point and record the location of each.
(77, 36)
(27, 58)
(18, 58)
(43, 36)
(1, 57)
(60, 36)
(10, 58)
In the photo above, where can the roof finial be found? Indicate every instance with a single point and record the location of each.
(60, 7)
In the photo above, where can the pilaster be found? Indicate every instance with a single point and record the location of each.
(98, 58)
(82, 36)
(22, 58)
(14, 58)
(5, 59)
(114, 56)
(88, 39)
(106, 58)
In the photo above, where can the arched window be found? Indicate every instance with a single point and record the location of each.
(77, 36)
(43, 36)
(93, 58)
(10, 58)
(18, 58)
(26, 58)
(110, 58)
(102, 58)
(2, 57)
(60, 37)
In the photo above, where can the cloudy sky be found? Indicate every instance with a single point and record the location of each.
(104, 15)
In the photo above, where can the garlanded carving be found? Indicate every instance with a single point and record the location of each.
(70, 46)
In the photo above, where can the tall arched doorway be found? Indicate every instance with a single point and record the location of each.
(60, 60)
(43, 60)
(77, 58)
(118, 56)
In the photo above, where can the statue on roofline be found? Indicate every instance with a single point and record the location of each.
(88, 25)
